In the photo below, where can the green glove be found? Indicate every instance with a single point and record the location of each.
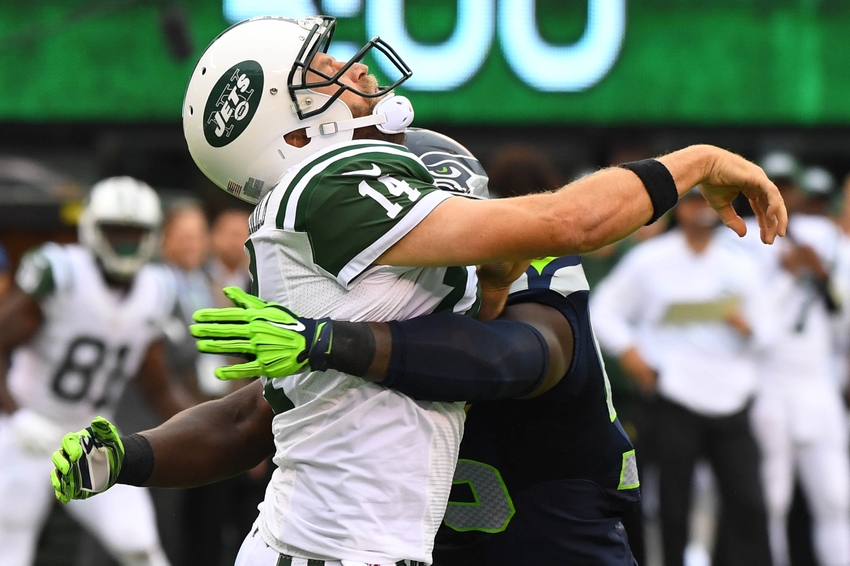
(88, 462)
(276, 341)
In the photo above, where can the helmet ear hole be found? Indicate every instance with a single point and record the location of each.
(297, 138)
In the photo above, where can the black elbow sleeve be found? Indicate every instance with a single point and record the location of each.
(450, 357)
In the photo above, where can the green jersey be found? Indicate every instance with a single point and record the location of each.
(363, 472)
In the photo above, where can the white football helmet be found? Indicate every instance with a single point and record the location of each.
(250, 88)
(127, 202)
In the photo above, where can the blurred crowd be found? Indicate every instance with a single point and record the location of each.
(205, 524)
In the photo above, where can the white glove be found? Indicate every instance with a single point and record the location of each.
(34, 434)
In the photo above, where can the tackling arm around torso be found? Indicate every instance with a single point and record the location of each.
(443, 357)
(212, 441)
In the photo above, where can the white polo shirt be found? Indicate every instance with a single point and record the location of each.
(668, 302)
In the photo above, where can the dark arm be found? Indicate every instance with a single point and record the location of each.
(20, 318)
(212, 441)
(449, 357)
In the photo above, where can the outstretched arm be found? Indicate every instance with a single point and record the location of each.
(207, 443)
(585, 215)
(449, 357)
(439, 357)
(212, 441)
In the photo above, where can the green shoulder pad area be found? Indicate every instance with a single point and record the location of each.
(35, 274)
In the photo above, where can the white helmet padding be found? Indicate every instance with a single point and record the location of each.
(121, 201)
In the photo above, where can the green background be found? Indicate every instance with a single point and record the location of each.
(694, 62)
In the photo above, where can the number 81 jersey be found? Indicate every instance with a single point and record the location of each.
(92, 338)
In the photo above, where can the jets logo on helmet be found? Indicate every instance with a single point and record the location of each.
(256, 83)
(230, 107)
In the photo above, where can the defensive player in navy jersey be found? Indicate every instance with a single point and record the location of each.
(545, 471)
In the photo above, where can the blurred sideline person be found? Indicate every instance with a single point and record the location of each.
(682, 312)
(799, 417)
(5, 273)
(185, 250)
(517, 170)
(81, 321)
(349, 225)
(228, 263)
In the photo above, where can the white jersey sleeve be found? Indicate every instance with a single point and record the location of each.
(43, 271)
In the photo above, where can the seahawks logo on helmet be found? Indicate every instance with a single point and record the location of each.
(453, 167)
(233, 102)
(455, 173)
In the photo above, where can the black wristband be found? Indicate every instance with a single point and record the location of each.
(138, 460)
(348, 347)
(659, 184)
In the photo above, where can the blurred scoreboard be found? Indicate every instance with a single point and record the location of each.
(486, 62)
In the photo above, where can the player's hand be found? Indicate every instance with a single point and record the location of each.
(728, 175)
(501, 275)
(88, 462)
(738, 322)
(641, 373)
(276, 341)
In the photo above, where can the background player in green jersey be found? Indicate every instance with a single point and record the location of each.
(79, 324)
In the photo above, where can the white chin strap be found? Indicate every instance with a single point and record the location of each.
(392, 115)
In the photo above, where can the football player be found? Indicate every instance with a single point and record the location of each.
(546, 473)
(351, 226)
(82, 320)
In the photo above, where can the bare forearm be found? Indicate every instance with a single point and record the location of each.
(20, 319)
(171, 401)
(212, 441)
(583, 216)
(606, 207)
